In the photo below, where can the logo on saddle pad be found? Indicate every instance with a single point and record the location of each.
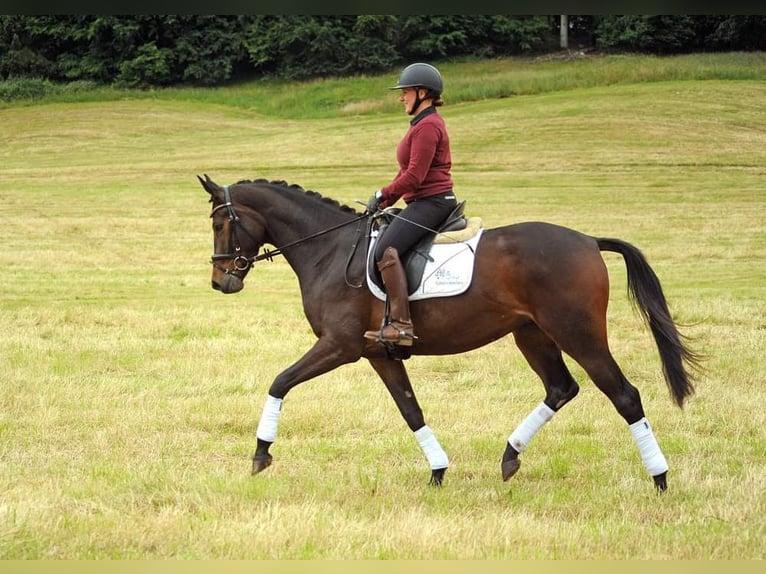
(440, 266)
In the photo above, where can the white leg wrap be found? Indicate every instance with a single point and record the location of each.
(436, 456)
(525, 432)
(267, 427)
(651, 455)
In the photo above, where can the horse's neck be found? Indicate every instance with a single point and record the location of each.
(291, 218)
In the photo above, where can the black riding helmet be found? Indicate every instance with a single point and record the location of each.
(421, 76)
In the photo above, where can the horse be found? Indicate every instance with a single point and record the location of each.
(545, 284)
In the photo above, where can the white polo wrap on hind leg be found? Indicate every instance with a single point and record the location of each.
(651, 455)
(525, 432)
(434, 452)
(267, 426)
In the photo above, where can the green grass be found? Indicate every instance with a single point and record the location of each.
(131, 390)
(467, 80)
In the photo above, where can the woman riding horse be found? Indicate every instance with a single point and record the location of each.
(424, 182)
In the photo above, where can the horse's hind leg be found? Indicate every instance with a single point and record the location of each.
(576, 321)
(545, 358)
(608, 377)
(587, 345)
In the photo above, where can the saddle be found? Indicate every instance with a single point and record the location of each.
(455, 240)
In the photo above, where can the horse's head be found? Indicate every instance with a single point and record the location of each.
(237, 236)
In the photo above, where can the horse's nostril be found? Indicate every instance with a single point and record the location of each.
(216, 285)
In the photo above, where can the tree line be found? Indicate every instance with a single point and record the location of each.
(161, 50)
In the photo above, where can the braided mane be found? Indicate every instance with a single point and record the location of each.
(281, 184)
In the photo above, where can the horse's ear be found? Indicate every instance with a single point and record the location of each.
(211, 187)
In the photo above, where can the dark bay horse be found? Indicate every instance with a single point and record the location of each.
(546, 284)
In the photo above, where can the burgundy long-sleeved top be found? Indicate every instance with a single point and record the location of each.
(424, 160)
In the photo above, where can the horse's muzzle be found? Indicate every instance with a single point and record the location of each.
(227, 283)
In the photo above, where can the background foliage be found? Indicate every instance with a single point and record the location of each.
(157, 50)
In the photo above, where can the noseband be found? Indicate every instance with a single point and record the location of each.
(242, 263)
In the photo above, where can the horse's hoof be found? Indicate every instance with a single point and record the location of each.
(260, 463)
(661, 482)
(509, 468)
(437, 476)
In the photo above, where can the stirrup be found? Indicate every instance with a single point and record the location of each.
(402, 336)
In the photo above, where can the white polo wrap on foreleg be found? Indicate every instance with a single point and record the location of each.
(525, 432)
(651, 455)
(434, 452)
(267, 426)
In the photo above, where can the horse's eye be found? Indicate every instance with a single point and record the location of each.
(217, 227)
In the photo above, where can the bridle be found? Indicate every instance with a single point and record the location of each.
(242, 263)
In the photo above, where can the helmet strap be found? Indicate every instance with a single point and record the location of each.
(417, 102)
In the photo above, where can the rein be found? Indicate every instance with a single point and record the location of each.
(242, 263)
(279, 250)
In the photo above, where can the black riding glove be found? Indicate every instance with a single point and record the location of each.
(374, 201)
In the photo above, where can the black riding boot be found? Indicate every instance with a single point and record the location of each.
(400, 330)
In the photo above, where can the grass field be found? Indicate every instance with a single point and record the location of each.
(130, 390)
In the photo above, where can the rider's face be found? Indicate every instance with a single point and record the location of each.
(408, 97)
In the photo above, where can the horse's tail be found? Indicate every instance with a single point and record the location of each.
(645, 292)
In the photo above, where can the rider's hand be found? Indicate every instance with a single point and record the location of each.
(374, 201)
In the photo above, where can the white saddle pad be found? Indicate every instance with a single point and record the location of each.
(449, 273)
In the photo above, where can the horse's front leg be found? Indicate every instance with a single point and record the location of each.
(397, 382)
(326, 355)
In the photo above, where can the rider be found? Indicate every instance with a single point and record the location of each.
(424, 182)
